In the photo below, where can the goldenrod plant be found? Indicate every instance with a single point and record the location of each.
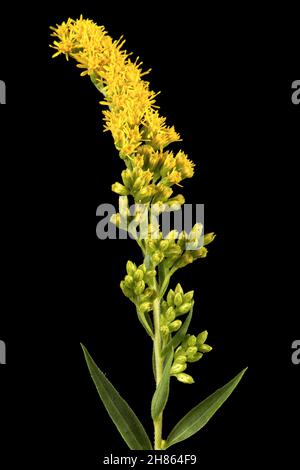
(152, 171)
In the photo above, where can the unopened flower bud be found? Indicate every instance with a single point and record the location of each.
(148, 294)
(170, 297)
(185, 259)
(188, 296)
(157, 257)
(175, 325)
(184, 308)
(202, 337)
(180, 359)
(145, 307)
(127, 178)
(191, 340)
(130, 267)
(177, 368)
(178, 299)
(191, 351)
(195, 357)
(201, 253)
(178, 289)
(170, 314)
(128, 281)
(138, 275)
(164, 330)
(185, 378)
(163, 245)
(208, 238)
(126, 291)
(119, 189)
(205, 348)
(139, 288)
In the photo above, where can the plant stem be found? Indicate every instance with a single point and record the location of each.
(158, 368)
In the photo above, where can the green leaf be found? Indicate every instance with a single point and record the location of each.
(177, 339)
(161, 394)
(120, 412)
(196, 419)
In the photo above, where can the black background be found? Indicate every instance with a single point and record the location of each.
(226, 86)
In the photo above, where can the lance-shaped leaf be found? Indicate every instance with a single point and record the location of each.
(161, 394)
(196, 419)
(127, 423)
(177, 339)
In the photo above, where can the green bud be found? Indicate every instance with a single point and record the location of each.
(177, 368)
(126, 291)
(163, 245)
(127, 178)
(170, 314)
(208, 238)
(191, 351)
(181, 359)
(175, 325)
(150, 274)
(188, 296)
(178, 289)
(139, 288)
(138, 184)
(145, 307)
(205, 348)
(128, 281)
(185, 259)
(173, 235)
(170, 297)
(148, 294)
(184, 308)
(178, 299)
(191, 340)
(185, 378)
(157, 257)
(119, 189)
(164, 329)
(201, 253)
(202, 337)
(130, 267)
(179, 351)
(138, 275)
(195, 357)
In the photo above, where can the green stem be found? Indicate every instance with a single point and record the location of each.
(158, 370)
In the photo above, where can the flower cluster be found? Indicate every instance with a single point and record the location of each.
(190, 350)
(177, 304)
(136, 286)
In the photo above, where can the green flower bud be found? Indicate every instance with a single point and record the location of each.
(202, 337)
(164, 329)
(181, 359)
(173, 235)
(195, 357)
(127, 178)
(191, 340)
(138, 184)
(157, 257)
(145, 307)
(170, 314)
(151, 274)
(184, 308)
(175, 325)
(119, 189)
(126, 291)
(208, 238)
(130, 267)
(178, 299)
(191, 351)
(128, 281)
(177, 368)
(205, 348)
(170, 297)
(185, 378)
(163, 245)
(138, 275)
(201, 253)
(139, 288)
(179, 351)
(178, 289)
(148, 294)
(188, 297)
(185, 259)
